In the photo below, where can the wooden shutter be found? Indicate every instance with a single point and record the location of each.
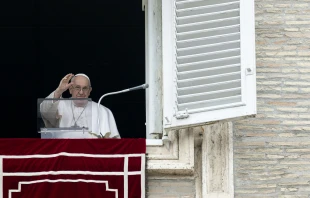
(209, 60)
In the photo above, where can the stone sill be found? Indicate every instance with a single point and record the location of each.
(154, 142)
(174, 157)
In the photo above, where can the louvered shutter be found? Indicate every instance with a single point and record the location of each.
(208, 60)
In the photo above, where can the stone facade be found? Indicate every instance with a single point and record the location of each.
(267, 155)
(272, 150)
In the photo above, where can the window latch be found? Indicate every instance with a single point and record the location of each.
(249, 71)
(182, 114)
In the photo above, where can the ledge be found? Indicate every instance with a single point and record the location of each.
(154, 142)
(176, 157)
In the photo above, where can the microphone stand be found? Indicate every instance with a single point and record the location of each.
(144, 86)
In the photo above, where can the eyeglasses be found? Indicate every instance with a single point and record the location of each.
(78, 88)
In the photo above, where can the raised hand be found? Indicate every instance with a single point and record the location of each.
(63, 85)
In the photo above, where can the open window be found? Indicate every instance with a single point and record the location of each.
(207, 61)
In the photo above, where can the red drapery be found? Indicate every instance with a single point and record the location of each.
(55, 168)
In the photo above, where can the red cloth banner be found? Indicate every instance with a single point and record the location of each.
(79, 168)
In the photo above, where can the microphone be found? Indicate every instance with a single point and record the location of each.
(144, 86)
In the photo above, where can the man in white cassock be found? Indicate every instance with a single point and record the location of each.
(77, 113)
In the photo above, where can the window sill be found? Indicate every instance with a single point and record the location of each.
(177, 156)
(154, 142)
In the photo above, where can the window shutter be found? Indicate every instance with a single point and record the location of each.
(208, 60)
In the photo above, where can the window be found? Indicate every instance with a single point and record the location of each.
(208, 61)
(153, 58)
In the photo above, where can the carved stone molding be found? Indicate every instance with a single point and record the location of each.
(177, 157)
(217, 161)
(203, 152)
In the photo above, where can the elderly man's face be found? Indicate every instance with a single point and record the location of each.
(80, 87)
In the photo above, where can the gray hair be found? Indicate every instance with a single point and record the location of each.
(72, 79)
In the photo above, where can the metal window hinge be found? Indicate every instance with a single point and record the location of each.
(168, 122)
(182, 114)
(143, 5)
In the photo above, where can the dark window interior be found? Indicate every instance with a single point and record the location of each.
(42, 41)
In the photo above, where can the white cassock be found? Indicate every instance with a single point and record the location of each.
(63, 113)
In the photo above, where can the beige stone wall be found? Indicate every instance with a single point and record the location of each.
(170, 187)
(272, 151)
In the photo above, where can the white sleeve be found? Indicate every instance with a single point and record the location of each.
(108, 126)
(113, 126)
(49, 111)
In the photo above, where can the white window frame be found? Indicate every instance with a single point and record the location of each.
(153, 70)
